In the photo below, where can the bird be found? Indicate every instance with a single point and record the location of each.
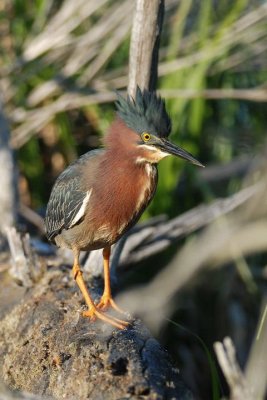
(102, 194)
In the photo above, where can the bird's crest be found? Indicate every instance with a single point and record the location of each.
(145, 113)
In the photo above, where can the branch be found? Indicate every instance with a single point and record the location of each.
(8, 206)
(256, 94)
(147, 241)
(26, 267)
(243, 232)
(256, 367)
(144, 47)
(226, 356)
(34, 121)
(253, 383)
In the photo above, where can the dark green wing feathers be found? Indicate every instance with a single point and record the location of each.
(69, 197)
(65, 202)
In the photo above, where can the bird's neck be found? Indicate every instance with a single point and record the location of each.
(120, 139)
(122, 161)
(124, 186)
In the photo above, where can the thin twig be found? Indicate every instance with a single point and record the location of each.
(32, 216)
(226, 356)
(256, 367)
(255, 94)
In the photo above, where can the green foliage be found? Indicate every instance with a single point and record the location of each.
(212, 48)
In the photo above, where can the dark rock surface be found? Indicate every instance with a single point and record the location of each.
(48, 349)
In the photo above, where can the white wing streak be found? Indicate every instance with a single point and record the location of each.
(82, 209)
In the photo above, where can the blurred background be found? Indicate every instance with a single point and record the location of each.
(61, 62)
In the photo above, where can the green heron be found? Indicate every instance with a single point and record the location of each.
(102, 195)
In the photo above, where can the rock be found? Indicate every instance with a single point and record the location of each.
(48, 349)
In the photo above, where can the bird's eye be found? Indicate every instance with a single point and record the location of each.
(146, 136)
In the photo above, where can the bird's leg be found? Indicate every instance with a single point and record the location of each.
(106, 300)
(92, 311)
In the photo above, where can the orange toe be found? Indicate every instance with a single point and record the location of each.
(108, 302)
(94, 314)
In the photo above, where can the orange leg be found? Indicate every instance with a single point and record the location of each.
(92, 311)
(106, 300)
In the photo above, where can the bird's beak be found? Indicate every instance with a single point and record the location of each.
(171, 148)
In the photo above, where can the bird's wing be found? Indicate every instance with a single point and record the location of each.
(68, 199)
(65, 206)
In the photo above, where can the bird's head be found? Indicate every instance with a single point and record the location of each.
(146, 115)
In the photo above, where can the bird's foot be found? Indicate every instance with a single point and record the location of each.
(93, 314)
(106, 302)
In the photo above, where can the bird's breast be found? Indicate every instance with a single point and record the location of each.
(121, 201)
(135, 200)
(147, 187)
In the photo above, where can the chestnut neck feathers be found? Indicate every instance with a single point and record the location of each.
(120, 138)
